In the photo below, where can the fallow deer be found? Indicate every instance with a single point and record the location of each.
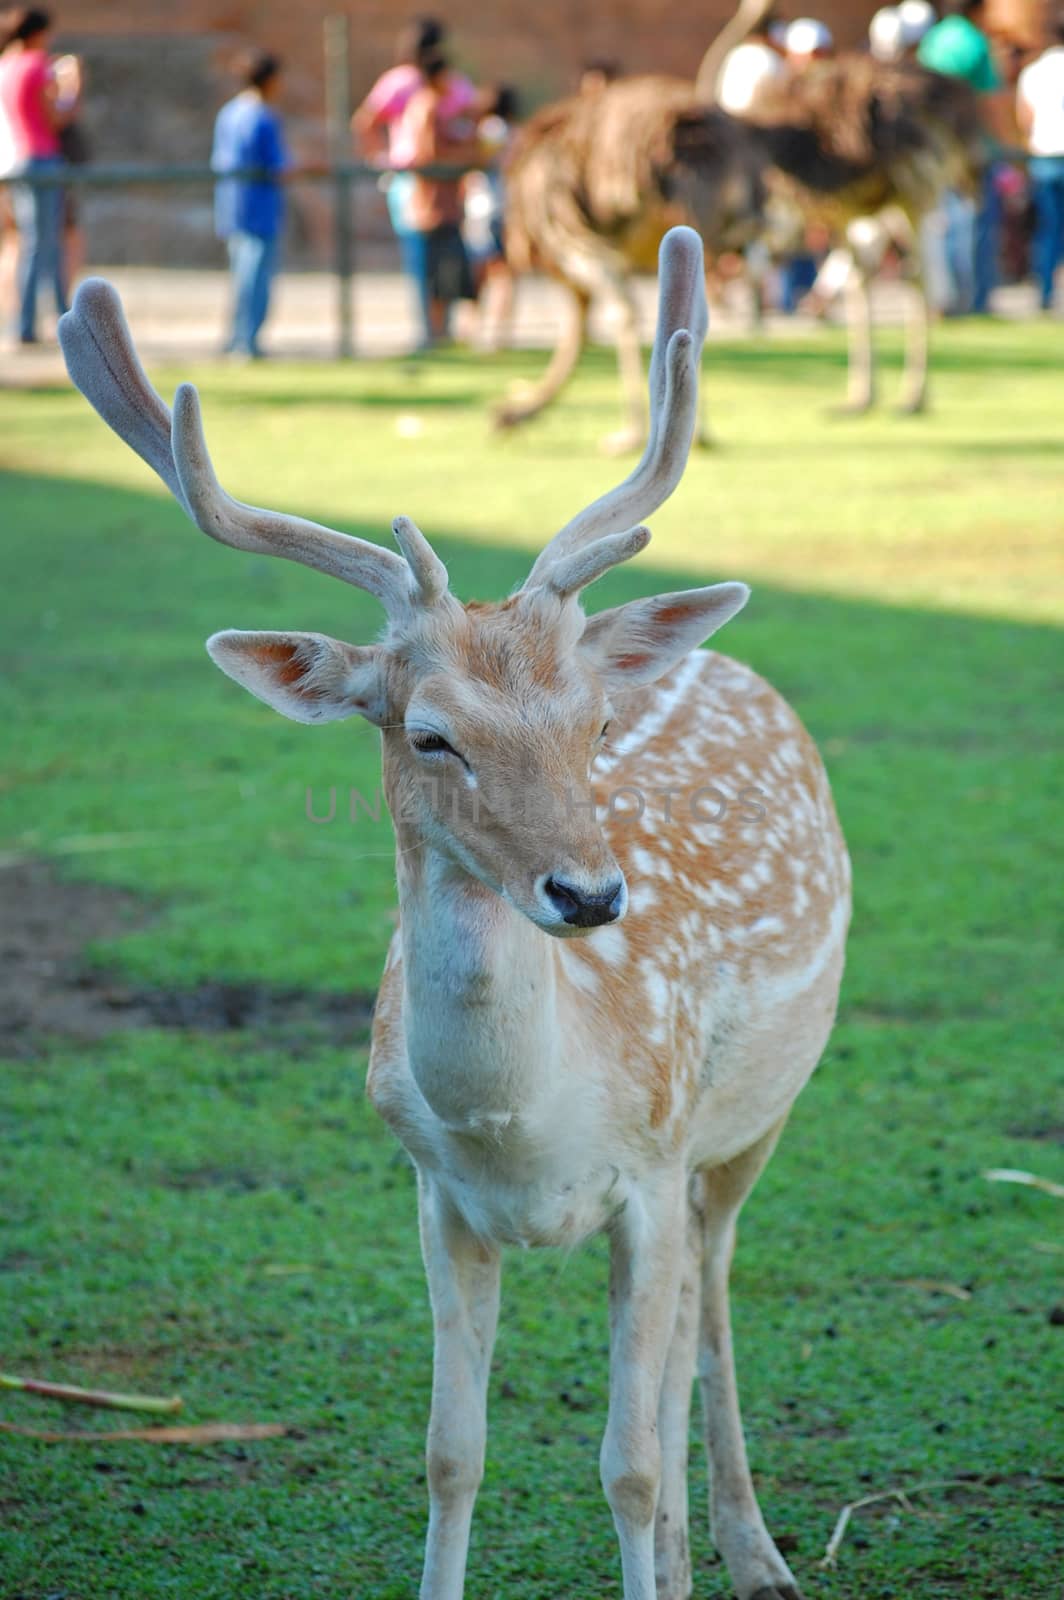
(586, 1022)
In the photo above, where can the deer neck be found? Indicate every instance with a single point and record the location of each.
(479, 996)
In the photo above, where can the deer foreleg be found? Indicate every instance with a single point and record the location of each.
(755, 1566)
(917, 332)
(672, 1556)
(463, 1276)
(646, 1270)
(559, 370)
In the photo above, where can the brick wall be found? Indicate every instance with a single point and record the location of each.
(159, 69)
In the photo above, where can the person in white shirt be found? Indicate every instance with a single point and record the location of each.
(748, 68)
(1040, 115)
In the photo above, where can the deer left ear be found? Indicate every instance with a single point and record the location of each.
(306, 676)
(639, 642)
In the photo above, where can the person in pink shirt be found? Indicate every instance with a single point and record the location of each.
(31, 106)
(384, 135)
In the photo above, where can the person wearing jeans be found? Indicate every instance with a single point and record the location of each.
(38, 218)
(31, 106)
(249, 212)
(1040, 114)
(253, 261)
(959, 47)
(382, 129)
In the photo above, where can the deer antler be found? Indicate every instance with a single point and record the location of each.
(103, 364)
(673, 384)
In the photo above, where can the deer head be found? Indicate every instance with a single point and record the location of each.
(491, 715)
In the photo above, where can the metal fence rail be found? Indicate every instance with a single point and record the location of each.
(342, 176)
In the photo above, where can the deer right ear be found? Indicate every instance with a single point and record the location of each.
(306, 676)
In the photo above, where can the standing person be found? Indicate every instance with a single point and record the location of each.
(959, 47)
(805, 41)
(1040, 114)
(752, 65)
(249, 213)
(380, 128)
(484, 213)
(29, 95)
(436, 203)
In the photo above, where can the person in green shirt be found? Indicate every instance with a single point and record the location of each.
(959, 48)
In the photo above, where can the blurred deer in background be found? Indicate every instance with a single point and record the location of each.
(585, 1023)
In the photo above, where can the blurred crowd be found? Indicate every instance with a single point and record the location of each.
(1014, 225)
(423, 112)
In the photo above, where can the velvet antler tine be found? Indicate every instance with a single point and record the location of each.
(430, 574)
(273, 533)
(574, 572)
(102, 362)
(673, 389)
(681, 304)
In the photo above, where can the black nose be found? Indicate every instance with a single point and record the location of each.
(583, 909)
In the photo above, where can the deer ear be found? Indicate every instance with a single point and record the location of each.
(639, 642)
(305, 676)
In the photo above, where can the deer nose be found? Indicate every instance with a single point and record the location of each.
(585, 908)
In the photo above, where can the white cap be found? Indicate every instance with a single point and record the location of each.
(807, 35)
(917, 17)
(886, 34)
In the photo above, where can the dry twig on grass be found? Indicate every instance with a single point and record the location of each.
(1030, 1180)
(70, 1394)
(900, 1496)
(192, 1433)
(935, 1286)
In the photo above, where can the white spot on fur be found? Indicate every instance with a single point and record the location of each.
(611, 945)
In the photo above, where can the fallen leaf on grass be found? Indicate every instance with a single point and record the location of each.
(71, 1394)
(196, 1433)
(1029, 1179)
(934, 1286)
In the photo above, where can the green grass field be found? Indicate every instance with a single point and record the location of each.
(220, 1214)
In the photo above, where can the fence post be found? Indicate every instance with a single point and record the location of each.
(337, 42)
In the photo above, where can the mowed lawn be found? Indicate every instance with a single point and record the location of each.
(220, 1214)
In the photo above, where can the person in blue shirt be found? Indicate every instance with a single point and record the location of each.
(249, 213)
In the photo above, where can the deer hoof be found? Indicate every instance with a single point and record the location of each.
(912, 408)
(625, 442)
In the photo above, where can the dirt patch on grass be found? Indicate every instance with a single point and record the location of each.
(49, 992)
(1047, 1132)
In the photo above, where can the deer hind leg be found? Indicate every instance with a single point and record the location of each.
(861, 375)
(755, 1566)
(917, 333)
(633, 431)
(509, 413)
(463, 1276)
(646, 1270)
(672, 1557)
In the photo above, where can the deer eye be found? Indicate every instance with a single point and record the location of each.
(605, 729)
(431, 744)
